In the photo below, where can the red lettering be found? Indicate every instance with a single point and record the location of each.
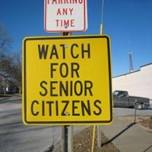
(65, 23)
(58, 12)
(72, 23)
(65, 11)
(71, 11)
(65, 1)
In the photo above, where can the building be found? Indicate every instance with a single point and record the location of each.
(137, 83)
(7, 84)
(2, 83)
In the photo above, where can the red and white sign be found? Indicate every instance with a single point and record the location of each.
(65, 15)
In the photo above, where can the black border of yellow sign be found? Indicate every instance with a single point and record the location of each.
(25, 87)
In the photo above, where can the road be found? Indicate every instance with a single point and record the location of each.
(131, 112)
(16, 137)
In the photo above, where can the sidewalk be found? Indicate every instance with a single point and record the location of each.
(127, 136)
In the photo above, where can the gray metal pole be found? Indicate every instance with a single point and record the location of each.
(65, 139)
(135, 113)
(67, 131)
(70, 139)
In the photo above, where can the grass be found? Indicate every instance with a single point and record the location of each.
(83, 141)
(146, 122)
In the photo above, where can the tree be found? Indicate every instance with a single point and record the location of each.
(9, 64)
(5, 40)
(16, 70)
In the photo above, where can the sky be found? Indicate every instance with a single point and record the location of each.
(127, 22)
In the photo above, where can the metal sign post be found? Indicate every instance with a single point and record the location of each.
(67, 131)
(67, 139)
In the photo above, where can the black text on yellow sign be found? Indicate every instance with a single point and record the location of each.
(67, 80)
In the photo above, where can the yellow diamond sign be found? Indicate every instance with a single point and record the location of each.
(67, 80)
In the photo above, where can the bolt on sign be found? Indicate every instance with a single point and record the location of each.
(67, 80)
(65, 15)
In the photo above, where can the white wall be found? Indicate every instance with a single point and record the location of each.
(138, 83)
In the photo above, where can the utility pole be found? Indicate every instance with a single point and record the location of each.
(98, 132)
